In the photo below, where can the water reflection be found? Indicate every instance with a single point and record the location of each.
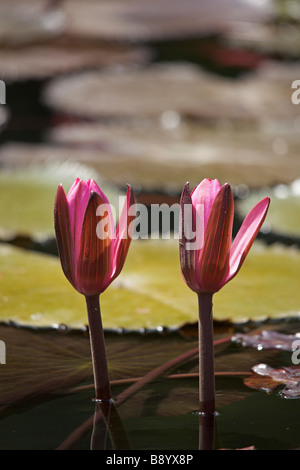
(207, 431)
(107, 423)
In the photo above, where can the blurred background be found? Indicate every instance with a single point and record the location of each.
(148, 93)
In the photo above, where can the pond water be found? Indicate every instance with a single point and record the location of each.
(162, 415)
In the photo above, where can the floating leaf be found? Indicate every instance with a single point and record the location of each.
(44, 60)
(268, 340)
(284, 211)
(144, 93)
(150, 293)
(137, 20)
(182, 88)
(174, 150)
(152, 269)
(27, 195)
(34, 290)
(159, 159)
(269, 281)
(23, 24)
(280, 39)
(38, 365)
(269, 379)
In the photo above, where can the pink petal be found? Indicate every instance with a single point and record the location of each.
(104, 207)
(187, 256)
(95, 261)
(63, 234)
(78, 198)
(205, 193)
(93, 187)
(123, 237)
(73, 187)
(214, 258)
(246, 236)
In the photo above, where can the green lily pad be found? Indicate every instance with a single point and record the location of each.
(158, 158)
(252, 295)
(34, 290)
(182, 88)
(137, 20)
(27, 195)
(39, 363)
(281, 38)
(165, 154)
(150, 292)
(266, 287)
(20, 24)
(48, 59)
(284, 211)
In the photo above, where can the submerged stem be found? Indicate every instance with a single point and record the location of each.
(207, 431)
(206, 355)
(101, 377)
(138, 384)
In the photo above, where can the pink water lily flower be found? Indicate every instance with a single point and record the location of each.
(209, 259)
(216, 260)
(92, 255)
(90, 260)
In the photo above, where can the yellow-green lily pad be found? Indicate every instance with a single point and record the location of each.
(284, 212)
(156, 158)
(27, 195)
(266, 287)
(140, 20)
(150, 293)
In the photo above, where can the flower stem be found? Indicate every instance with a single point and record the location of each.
(206, 355)
(101, 377)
